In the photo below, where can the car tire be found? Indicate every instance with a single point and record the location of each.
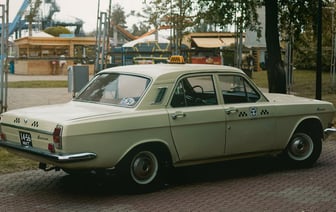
(142, 169)
(303, 150)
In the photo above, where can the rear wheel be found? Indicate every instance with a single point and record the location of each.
(142, 168)
(303, 149)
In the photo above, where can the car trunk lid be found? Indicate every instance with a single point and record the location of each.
(37, 124)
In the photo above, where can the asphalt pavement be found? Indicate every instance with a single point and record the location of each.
(26, 97)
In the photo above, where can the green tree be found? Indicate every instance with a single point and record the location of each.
(32, 15)
(275, 68)
(175, 13)
(221, 13)
(282, 16)
(150, 16)
(118, 16)
(305, 45)
(140, 29)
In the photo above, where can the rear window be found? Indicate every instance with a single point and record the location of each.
(235, 89)
(115, 89)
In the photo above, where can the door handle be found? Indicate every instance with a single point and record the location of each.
(178, 114)
(231, 110)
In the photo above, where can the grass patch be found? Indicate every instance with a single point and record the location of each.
(303, 84)
(38, 84)
(12, 163)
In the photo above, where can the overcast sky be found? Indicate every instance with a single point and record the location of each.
(83, 9)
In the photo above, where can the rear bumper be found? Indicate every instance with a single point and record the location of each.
(55, 157)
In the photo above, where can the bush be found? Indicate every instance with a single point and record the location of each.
(56, 31)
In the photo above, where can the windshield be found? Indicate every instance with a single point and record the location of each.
(115, 88)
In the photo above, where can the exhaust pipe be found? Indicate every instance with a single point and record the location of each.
(45, 167)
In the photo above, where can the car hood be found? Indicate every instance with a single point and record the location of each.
(46, 117)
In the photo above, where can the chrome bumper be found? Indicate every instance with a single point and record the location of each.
(329, 130)
(55, 157)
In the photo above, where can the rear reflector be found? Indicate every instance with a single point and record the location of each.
(3, 136)
(51, 148)
(57, 136)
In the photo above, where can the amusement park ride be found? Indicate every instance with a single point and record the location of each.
(22, 20)
(28, 17)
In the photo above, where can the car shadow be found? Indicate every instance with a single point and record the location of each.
(226, 170)
(176, 177)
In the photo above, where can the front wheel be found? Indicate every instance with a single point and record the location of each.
(303, 150)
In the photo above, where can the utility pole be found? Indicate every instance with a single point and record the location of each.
(96, 66)
(318, 93)
(102, 38)
(333, 47)
(109, 31)
(4, 56)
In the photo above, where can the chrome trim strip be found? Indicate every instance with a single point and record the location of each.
(27, 129)
(55, 157)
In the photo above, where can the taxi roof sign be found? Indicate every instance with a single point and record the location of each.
(176, 59)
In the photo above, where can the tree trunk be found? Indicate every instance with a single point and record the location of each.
(275, 68)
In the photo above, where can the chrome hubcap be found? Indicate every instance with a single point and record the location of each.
(144, 167)
(301, 147)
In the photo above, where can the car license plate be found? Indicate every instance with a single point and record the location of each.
(26, 139)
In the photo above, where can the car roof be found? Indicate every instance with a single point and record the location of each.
(169, 72)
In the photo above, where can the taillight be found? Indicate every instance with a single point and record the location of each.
(2, 136)
(57, 136)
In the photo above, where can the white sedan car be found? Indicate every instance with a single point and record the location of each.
(140, 120)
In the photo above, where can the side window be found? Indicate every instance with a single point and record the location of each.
(235, 89)
(194, 91)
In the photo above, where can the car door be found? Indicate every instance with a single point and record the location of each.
(251, 124)
(197, 121)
